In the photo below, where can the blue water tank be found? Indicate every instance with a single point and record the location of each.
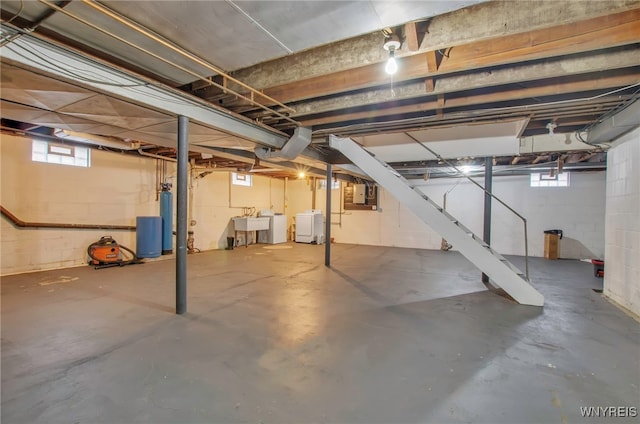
(166, 212)
(148, 236)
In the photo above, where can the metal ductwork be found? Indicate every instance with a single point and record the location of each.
(615, 126)
(96, 140)
(291, 149)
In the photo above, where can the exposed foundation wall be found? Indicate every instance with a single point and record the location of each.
(216, 201)
(114, 190)
(578, 210)
(622, 228)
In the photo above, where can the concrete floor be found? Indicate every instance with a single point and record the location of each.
(388, 335)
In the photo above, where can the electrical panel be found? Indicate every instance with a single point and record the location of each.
(362, 197)
(359, 194)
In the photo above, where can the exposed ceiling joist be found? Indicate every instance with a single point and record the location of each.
(593, 34)
(516, 93)
(551, 68)
(484, 21)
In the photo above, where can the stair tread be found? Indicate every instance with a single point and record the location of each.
(475, 254)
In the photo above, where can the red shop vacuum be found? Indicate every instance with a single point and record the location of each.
(106, 253)
(598, 267)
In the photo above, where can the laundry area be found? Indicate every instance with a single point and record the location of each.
(320, 212)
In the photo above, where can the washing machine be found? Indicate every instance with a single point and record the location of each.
(310, 227)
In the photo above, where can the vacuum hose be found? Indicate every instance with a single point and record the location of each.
(103, 262)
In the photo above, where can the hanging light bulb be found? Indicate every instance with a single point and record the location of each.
(391, 45)
(391, 67)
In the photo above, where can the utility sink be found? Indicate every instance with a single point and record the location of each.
(250, 223)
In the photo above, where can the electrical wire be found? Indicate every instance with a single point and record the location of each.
(17, 13)
(55, 67)
(132, 87)
(445, 53)
(616, 109)
(180, 51)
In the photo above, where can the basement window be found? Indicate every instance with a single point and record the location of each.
(241, 179)
(549, 180)
(45, 151)
(322, 184)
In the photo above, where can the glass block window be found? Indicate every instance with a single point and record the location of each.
(241, 179)
(45, 151)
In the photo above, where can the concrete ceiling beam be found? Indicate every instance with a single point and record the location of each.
(591, 35)
(469, 25)
(561, 67)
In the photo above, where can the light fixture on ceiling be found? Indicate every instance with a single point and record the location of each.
(551, 126)
(391, 44)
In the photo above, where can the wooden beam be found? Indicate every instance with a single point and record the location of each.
(608, 81)
(593, 34)
(432, 62)
(440, 110)
(429, 85)
(483, 21)
(540, 158)
(555, 68)
(411, 36)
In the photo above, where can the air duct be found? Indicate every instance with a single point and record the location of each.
(96, 140)
(292, 148)
(615, 126)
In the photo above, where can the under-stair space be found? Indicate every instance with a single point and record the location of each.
(501, 272)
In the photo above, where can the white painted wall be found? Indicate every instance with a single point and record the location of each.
(216, 201)
(115, 190)
(578, 210)
(622, 228)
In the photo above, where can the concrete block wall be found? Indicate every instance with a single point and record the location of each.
(114, 190)
(622, 227)
(216, 201)
(578, 210)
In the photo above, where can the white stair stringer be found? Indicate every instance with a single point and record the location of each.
(502, 272)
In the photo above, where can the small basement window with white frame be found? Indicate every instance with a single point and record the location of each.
(322, 184)
(49, 152)
(539, 179)
(245, 180)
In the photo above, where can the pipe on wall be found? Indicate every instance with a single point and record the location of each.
(151, 155)
(25, 224)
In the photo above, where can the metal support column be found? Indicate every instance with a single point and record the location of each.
(182, 212)
(502, 272)
(488, 185)
(327, 231)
